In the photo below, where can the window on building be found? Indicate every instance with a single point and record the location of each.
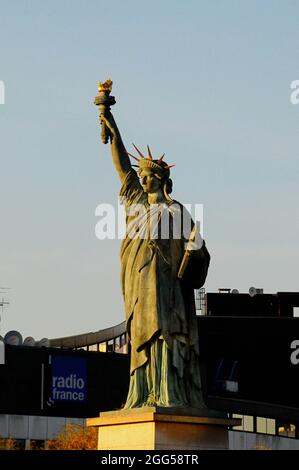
(93, 347)
(270, 426)
(37, 444)
(238, 428)
(247, 423)
(286, 429)
(261, 425)
(103, 347)
(265, 425)
(19, 444)
(123, 340)
(116, 344)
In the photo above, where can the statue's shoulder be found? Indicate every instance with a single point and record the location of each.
(131, 191)
(178, 206)
(177, 203)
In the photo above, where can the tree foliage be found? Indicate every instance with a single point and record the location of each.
(74, 437)
(7, 444)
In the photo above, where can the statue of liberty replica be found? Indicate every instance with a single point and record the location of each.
(163, 259)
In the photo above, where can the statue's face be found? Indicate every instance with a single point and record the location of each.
(150, 183)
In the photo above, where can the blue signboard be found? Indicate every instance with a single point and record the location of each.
(69, 379)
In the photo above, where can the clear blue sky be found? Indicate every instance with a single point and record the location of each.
(206, 82)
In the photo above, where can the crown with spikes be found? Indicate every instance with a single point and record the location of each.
(161, 168)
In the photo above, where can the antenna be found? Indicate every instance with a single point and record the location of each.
(3, 302)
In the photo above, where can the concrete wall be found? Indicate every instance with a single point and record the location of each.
(44, 428)
(240, 440)
(33, 427)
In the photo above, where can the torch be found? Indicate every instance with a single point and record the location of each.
(104, 101)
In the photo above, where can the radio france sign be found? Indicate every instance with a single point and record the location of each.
(69, 379)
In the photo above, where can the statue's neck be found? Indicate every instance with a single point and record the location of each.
(155, 198)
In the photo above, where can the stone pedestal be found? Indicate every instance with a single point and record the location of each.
(155, 428)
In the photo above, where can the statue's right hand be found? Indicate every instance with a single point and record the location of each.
(108, 119)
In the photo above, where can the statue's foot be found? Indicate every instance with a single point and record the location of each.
(150, 402)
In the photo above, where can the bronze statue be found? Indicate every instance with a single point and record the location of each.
(158, 277)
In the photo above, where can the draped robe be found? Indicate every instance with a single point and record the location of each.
(160, 308)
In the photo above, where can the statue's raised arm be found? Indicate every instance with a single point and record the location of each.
(120, 157)
(109, 129)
